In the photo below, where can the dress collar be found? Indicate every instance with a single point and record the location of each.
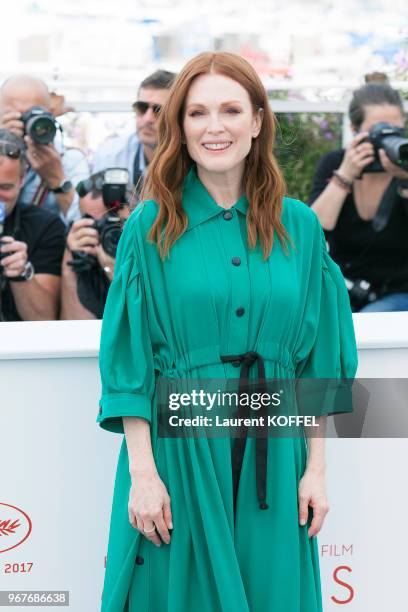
(199, 205)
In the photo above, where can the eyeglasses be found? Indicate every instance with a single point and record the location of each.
(12, 151)
(141, 108)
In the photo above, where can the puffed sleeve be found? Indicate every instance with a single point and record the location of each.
(125, 354)
(328, 346)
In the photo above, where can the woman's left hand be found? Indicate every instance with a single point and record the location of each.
(312, 492)
(390, 167)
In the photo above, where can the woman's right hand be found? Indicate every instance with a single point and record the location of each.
(357, 156)
(149, 506)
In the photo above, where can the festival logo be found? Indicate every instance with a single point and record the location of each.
(15, 527)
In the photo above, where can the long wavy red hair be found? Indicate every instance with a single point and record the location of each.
(263, 182)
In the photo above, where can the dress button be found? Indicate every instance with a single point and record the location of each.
(236, 261)
(240, 311)
(227, 215)
(139, 560)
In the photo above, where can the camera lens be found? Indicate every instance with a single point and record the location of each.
(41, 129)
(110, 235)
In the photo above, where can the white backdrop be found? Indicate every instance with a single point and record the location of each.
(57, 472)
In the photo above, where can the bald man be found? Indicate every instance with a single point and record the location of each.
(54, 171)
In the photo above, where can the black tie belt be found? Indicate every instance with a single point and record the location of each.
(246, 360)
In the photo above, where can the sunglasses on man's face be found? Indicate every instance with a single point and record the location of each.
(10, 150)
(141, 108)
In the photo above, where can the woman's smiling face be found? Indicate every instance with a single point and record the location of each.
(219, 123)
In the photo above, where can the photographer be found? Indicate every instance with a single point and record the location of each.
(89, 257)
(361, 198)
(31, 244)
(134, 152)
(26, 109)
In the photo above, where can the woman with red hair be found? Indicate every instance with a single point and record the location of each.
(218, 275)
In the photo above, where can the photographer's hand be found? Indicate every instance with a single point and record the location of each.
(390, 167)
(358, 155)
(45, 161)
(11, 120)
(331, 200)
(83, 237)
(35, 299)
(15, 262)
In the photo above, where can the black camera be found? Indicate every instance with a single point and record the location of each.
(112, 183)
(360, 293)
(39, 124)
(391, 139)
(109, 228)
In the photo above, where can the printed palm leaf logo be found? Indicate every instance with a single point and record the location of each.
(8, 527)
(15, 527)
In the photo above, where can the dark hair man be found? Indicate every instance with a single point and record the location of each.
(135, 151)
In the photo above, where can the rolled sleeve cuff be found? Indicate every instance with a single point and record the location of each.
(114, 406)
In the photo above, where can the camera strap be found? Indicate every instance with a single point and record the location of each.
(386, 206)
(138, 172)
(40, 194)
(380, 221)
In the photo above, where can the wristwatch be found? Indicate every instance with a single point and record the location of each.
(64, 187)
(26, 275)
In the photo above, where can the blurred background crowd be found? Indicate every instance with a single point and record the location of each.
(79, 105)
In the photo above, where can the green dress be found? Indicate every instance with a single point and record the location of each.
(213, 297)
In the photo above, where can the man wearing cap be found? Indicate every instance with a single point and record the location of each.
(31, 244)
(134, 152)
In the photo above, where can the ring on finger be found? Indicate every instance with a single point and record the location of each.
(150, 530)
